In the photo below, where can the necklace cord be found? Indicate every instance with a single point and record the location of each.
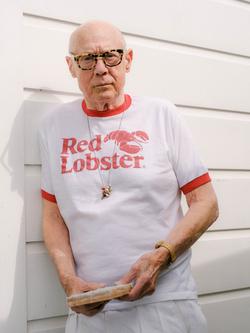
(91, 136)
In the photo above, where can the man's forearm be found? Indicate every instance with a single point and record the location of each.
(56, 239)
(202, 212)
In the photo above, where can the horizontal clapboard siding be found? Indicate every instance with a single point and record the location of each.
(51, 302)
(204, 68)
(33, 204)
(227, 312)
(212, 261)
(193, 22)
(187, 77)
(52, 325)
(233, 192)
(217, 137)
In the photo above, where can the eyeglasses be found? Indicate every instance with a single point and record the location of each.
(87, 61)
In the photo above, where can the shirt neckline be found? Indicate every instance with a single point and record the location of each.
(110, 112)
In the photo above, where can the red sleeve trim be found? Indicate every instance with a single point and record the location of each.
(48, 196)
(201, 180)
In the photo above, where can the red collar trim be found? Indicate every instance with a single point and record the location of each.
(111, 112)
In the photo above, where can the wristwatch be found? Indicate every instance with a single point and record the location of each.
(168, 246)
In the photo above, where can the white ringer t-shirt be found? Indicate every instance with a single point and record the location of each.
(150, 160)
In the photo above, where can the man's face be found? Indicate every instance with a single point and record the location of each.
(102, 84)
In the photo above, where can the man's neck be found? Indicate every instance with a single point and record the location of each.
(105, 105)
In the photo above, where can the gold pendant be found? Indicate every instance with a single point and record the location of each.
(106, 191)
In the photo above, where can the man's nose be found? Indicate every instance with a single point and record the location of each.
(100, 67)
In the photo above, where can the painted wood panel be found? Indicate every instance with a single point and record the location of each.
(187, 76)
(227, 312)
(223, 142)
(212, 267)
(33, 115)
(45, 296)
(51, 325)
(44, 96)
(217, 265)
(33, 204)
(233, 193)
(186, 22)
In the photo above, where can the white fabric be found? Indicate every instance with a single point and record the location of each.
(163, 317)
(108, 236)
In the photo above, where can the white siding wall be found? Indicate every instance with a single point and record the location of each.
(203, 65)
(12, 236)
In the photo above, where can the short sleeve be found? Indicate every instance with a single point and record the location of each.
(47, 191)
(188, 167)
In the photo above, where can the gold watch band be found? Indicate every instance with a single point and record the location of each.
(167, 246)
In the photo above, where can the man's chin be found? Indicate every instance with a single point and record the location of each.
(105, 92)
(103, 88)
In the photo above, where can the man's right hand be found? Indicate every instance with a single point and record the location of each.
(75, 285)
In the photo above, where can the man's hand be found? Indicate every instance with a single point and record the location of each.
(145, 273)
(75, 285)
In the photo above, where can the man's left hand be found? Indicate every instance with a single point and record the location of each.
(144, 273)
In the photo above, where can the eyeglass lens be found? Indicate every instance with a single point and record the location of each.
(110, 58)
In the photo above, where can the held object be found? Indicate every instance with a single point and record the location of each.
(99, 295)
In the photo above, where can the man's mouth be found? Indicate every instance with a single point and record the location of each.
(102, 85)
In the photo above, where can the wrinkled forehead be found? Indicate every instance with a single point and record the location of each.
(98, 39)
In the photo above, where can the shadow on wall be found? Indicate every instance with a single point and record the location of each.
(44, 293)
(15, 160)
(13, 267)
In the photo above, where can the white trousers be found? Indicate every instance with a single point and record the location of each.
(184, 316)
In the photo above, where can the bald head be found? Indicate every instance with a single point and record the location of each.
(92, 32)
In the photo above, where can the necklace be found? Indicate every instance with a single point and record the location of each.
(106, 189)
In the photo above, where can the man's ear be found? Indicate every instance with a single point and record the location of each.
(128, 58)
(71, 66)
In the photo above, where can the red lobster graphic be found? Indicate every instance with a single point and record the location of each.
(128, 142)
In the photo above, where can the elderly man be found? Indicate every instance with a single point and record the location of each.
(113, 169)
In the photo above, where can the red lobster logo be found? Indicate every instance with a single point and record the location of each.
(128, 142)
